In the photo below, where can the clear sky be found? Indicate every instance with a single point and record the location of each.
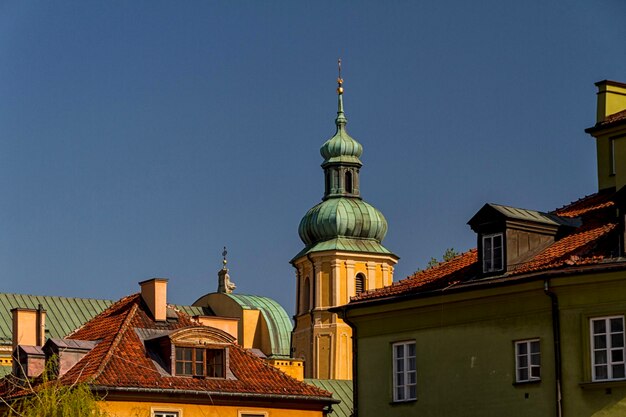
(137, 138)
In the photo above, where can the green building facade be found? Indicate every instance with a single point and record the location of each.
(530, 323)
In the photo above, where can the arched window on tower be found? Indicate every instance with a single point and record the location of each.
(348, 182)
(305, 296)
(359, 283)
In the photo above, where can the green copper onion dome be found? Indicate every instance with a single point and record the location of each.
(342, 217)
(341, 147)
(342, 214)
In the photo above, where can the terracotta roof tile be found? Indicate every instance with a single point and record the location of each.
(449, 272)
(120, 359)
(588, 204)
(573, 249)
(583, 246)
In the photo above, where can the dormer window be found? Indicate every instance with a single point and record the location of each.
(200, 362)
(493, 253)
(191, 352)
(508, 237)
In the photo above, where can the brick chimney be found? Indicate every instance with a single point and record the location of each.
(29, 326)
(154, 294)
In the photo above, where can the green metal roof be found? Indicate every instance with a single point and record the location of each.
(278, 322)
(195, 311)
(342, 390)
(346, 244)
(343, 216)
(532, 215)
(5, 370)
(516, 213)
(63, 314)
(341, 148)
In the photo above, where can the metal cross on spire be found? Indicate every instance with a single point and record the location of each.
(339, 79)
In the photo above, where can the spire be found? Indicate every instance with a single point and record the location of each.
(341, 120)
(224, 285)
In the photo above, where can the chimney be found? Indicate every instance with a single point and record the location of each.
(29, 326)
(611, 98)
(610, 134)
(154, 294)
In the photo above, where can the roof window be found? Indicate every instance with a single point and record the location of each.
(493, 253)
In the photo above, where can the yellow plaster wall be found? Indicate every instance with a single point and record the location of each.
(26, 320)
(229, 325)
(611, 99)
(251, 329)
(325, 281)
(326, 345)
(145, 409)
(292, 367)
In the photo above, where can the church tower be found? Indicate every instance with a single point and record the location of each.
(343, 256)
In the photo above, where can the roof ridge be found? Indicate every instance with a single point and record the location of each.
(116, 341)
(104, 313)
(56, 296)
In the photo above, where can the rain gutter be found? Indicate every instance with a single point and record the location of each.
(556, 332)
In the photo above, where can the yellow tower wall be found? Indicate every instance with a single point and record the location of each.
(320, 337)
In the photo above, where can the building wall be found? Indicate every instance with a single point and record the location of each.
(145, 409)
(465, 351)
(320, 337)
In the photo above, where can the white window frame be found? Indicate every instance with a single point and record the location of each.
(607, 342)
(160, 412)
(529, 361)
(491, 259)
(405, 369)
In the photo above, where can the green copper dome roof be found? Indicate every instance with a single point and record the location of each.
(342, 221)
(347, 217)
(341, 148)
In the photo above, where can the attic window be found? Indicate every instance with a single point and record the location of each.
(493, 252)
(200, 362)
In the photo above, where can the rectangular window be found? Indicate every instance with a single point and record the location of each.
(493, 253)
(527, 361)
(404, 372)
(200, 362)
(165, 414)
(607, 348)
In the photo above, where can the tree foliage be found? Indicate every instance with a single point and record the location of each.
(447, 255)
(49, 398)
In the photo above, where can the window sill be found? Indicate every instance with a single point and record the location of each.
(396, 403)
(525, 383)
(603, 384)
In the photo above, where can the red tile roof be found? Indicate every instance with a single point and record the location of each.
(582, 246)
(612, 120)
(120, 360)
(588, 204)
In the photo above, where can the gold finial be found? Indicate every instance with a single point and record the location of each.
(224, 262)
(339, 79)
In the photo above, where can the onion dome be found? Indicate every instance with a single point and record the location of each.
(341, 148)
(342, 221)
(342, 217)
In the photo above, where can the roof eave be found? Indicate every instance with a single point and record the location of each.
(502, 280)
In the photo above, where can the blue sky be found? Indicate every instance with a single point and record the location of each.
(139, 138)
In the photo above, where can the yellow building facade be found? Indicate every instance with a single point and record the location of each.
(155, 408)
(343, 257)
